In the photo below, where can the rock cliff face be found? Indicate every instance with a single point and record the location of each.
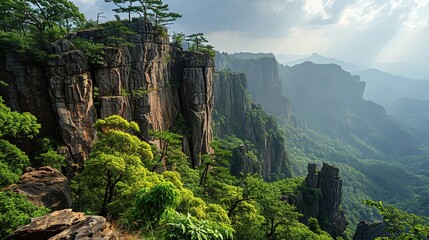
(330, 100)
(325, 187)
(235, 114)
(263, 79)
(147, 81)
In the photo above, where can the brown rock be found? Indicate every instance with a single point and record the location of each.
(44, 186)
(65, 225)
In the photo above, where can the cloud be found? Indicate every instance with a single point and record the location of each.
(361, 30)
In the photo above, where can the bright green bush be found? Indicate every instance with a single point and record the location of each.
(15, 211)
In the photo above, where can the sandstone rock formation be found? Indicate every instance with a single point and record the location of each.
(325, 186)
(367, 230)
(44, 186)
(236, 115)
(65, 225)
(71, 94)
(147, 81)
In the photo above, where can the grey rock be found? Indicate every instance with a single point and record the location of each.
(370, 230)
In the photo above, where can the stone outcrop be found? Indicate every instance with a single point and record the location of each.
(325, 187)
(44, 186)
(237, 115)
(370, 230)
(65, 225)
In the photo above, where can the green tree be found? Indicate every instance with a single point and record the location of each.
(115, 164)
(44, 14)
(401, 225)
(147, 9)
(170, 154)
(12, 159)
(152, 203)
(15, 211)
(197, 40)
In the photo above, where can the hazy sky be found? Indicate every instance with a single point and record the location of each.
(362, 31)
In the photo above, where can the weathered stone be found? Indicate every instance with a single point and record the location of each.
(367, 230)
(72, 101)
(197, 106)
(327, 208)
(26, 90)
(65, 225)
(117, 105)
(44, 186)
(241, 162)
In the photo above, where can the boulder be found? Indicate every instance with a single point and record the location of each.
(65, 225)
(370, 230)
(44, 186)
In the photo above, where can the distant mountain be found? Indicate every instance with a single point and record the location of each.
(263, 79)
(385, 88)
(317, 58)
(414, 114)
(248, 55)
(285, 58)
(330, 100)
(405, 69)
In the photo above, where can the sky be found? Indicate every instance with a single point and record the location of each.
(358, 31)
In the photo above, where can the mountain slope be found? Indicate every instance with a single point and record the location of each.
(385, 88)
(330, 100)
(414, 114)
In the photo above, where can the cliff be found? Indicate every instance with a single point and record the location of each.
(235, 114)
(147, 81)
(330, 100)
(262, 74)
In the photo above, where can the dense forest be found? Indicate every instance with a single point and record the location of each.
(121, 130)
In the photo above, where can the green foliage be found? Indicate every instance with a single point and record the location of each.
(15, 211)
(155, 10)
(178, 39)
(152, 204)
(21, 44)
(28, 26)
(114, 171)
(400, 224)
(188, 227)
(169, 154)
(47, 155)
(12, 159)
(116, 34)
(94, 52)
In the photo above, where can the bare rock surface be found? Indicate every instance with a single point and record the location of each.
(370, 230)
(44, 186)
(65, 225)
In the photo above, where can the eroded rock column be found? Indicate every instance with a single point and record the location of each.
(197, 102)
